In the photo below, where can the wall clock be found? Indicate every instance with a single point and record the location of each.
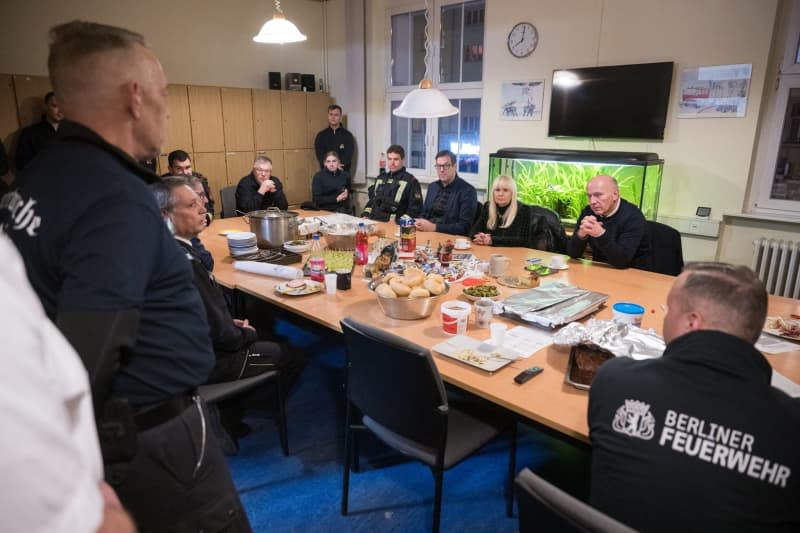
(522, 39)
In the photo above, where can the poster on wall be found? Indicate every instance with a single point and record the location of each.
(710, 92)
(522, 100)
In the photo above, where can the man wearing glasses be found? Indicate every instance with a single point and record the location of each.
(260, 189)
(451, 202)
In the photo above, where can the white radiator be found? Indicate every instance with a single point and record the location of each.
(777, 263)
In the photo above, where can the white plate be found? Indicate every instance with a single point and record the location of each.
(476, 353)
(243, 251)
(309, 288)
(565, 267)
(297, 248)
(241, 236)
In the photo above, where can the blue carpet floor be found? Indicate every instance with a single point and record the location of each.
(302, 492)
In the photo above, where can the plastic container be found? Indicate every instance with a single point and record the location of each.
(316, 261)
(362, 245)
(628, 312)
(455, 315)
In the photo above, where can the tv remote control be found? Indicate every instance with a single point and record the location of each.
(525, 375)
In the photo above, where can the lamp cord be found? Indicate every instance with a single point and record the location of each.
(278, 6)
(427, 42)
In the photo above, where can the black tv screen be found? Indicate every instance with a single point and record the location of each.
(621, 101)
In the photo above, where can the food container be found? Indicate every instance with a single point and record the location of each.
(583, 364)
(272, 226)
(628, 312)
(342, 236)
(408, 308)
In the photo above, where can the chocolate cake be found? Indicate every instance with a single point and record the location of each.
(585, 362)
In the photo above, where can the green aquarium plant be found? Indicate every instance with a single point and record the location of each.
(561, 185)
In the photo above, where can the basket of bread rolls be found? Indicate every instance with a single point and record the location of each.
(410, 295)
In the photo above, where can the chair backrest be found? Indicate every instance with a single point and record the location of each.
(545, 507)
(395, 382)
(666, 251)
(227, 198)
(546, 231)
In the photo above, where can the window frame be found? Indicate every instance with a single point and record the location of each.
(453, 90)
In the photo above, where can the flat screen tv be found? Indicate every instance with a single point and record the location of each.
(620, 102)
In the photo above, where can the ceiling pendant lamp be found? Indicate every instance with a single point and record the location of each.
(426, 101)
(279, 30)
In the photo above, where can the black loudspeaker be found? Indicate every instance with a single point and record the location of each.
(308, 82)
(275, 80)
(293, 81)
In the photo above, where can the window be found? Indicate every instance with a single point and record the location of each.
(456, 68)
(776, 182)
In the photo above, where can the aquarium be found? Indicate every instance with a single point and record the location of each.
(557, 179)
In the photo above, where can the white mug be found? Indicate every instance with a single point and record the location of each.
(462, 243)
(498, 264)
(484, 309)
(557, 262)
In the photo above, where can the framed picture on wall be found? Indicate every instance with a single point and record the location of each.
(712, 92)
(522, 100)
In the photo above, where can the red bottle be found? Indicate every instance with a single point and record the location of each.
(362, 243)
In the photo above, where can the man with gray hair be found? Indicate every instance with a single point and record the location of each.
(260, 189)
(698, 439)
(110, 276)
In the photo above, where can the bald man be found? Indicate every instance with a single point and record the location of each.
(614, 228)
(110, 275)
(698, 439)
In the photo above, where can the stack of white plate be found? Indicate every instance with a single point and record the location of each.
(242, 243)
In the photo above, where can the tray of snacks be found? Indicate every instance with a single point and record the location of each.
(476, 353)
(786, 328)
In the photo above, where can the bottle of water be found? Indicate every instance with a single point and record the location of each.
(316, 261)
(362, 243)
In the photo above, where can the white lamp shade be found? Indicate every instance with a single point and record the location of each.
(279, 31)
(425, 102)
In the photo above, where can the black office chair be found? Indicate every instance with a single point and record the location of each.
(666, 251)
(546, 231)
(545, 507)
(227, 199)
(394, 390)
(217, 392)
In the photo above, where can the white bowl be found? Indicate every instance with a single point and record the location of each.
(296, 248)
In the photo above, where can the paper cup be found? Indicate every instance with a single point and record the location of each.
(628, 312)
(330, 283)
(498, 334)
(454, 317)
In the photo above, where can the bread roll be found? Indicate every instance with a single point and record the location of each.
(419, 292)
(385, 291)
(388, 277)
(434, 287)
(400, 288)
(413, 277)
(435, 277)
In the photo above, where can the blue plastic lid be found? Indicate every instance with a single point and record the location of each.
(628, 308)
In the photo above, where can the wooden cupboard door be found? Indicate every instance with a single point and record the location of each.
(162, 166)
(278, 163)
(212, 166)
(30, 91)
(237, 119)
(268, 124)
(293, 105)
(316, 115)
(239, 165)
(9, 122)
(298, 179)
(179, 128)
(205, 108)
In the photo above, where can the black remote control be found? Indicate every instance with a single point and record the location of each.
(525, 375)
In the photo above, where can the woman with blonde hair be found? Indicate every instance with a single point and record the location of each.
(503, 220)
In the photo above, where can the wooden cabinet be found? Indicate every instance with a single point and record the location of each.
(239, 165)
(30, 91)
(8, 110)
(179, 128)
(237, 119)
(293, 106)
(268, 124)
(205, 107)
(316, 115)
(212, 166)
(300, 165)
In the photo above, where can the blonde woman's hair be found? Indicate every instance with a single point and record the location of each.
(508, 217)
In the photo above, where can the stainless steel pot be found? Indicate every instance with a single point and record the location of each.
(272, 226)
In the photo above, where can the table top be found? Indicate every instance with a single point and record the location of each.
(545, 399)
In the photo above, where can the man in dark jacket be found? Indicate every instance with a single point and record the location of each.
(614, 228)
(260, 189)
(451, 202)
(33, 138)
(394, 194)
(699, 438)
(180, 164)
(335, 138)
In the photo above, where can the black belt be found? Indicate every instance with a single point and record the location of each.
(150, 416)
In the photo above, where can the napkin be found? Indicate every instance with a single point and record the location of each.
(267, 269)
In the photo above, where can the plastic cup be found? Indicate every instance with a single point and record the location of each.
(330, 283)
(628, 312)
(454, 317)
(498, 332)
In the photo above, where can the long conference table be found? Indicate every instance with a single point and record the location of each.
(546, 399)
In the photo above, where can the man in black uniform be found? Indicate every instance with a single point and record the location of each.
(698, 439)
(33, 138)
(260, 189)
(613, 227)
(335, 138)
(109, 274)
(394, 194)
(180, 164)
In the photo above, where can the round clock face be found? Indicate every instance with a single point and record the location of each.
(522, 39)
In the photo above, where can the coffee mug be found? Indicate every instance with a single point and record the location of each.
(462, 243)
(498, 264)
(484, 309)
(557, 262)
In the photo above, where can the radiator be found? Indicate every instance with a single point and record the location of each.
(777, 263)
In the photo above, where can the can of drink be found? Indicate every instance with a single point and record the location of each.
(408, 234)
